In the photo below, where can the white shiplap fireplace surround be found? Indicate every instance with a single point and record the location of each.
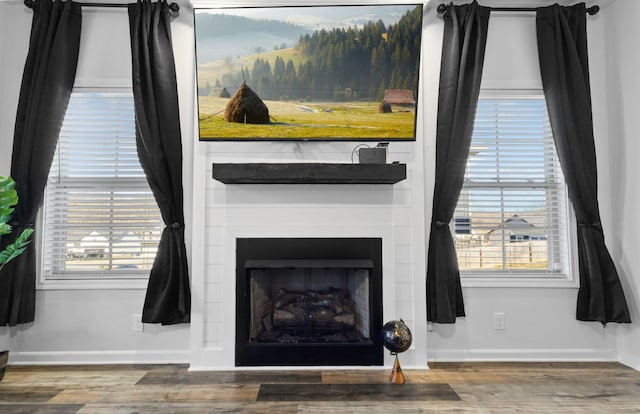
(223, 213)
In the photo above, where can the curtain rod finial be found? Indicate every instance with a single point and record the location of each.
(29, 3)
(441, 8)
(174, 7)
(593, 10)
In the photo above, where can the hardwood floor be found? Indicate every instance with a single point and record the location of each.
(446, 387)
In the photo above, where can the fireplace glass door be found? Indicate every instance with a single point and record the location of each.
(309, 301)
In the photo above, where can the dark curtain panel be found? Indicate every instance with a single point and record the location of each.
(168, 299)
(47, 80)
(562, 46)
(463, 46)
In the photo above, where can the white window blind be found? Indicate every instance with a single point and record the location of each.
(511, 217)
(100, 217)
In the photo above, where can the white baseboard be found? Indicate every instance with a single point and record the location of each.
(99, 357)
(630, 361)
(522, 355)
(183, 357)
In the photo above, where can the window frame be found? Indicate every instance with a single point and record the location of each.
(91, 280)
(567, 278)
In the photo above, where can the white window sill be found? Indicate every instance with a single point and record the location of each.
(86, 283)
(519, 281)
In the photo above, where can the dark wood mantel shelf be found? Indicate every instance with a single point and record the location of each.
(308, 173)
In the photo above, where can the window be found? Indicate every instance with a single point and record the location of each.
(100, 218)
(511, 217)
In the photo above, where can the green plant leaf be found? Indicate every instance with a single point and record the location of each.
(15, 249)
(6, 191)
(6, 211)
(8, 199)
(7, 183)
(4, 229)
(24, 236)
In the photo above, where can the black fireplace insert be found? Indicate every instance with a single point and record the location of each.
(308, 301)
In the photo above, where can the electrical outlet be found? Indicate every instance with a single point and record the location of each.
(138, 326)
(498, 321)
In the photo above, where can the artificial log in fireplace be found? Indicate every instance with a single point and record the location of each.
(309, 301)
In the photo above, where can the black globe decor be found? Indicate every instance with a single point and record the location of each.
(396, 337)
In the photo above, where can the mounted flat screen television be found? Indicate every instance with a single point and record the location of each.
(308, 73)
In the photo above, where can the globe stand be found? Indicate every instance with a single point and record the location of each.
(396, 376)
(396, 337)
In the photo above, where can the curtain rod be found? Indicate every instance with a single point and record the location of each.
(174, 7)
(590, 10)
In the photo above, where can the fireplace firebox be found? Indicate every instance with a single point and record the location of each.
(308, 301)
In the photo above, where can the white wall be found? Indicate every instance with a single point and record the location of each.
(95, 325)
(622, 34)
(14, 26)
(540, 323)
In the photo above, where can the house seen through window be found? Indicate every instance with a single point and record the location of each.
(511, 217)
(100, 217)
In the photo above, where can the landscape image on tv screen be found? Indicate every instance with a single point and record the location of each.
(308, 73)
